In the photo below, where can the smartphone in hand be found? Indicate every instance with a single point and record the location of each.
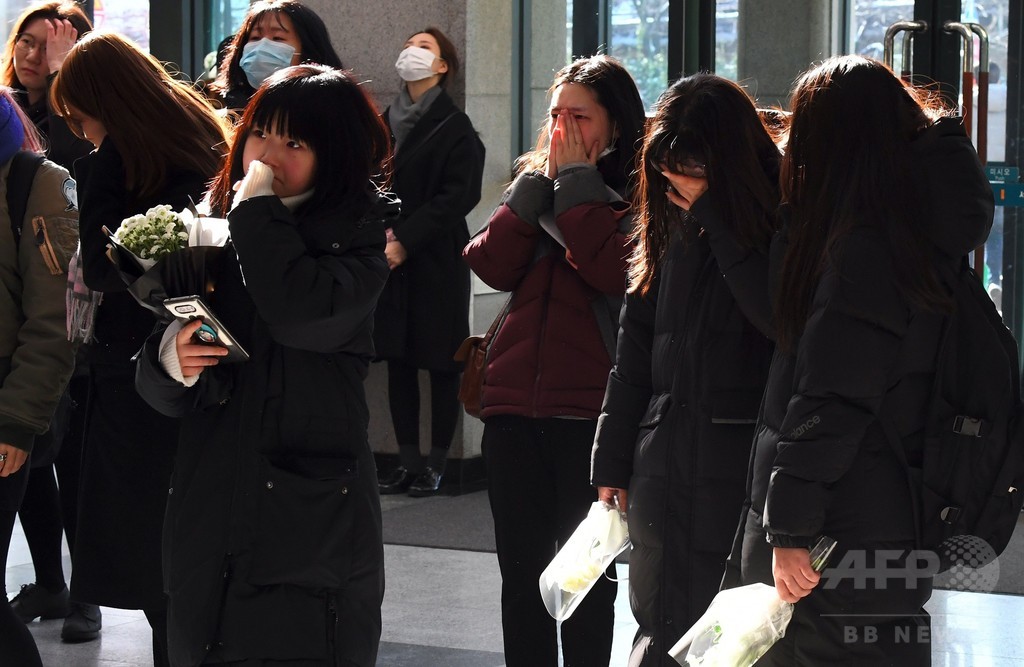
(212, 332)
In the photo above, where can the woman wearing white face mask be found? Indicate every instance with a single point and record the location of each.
(274, 34)
(423, 315)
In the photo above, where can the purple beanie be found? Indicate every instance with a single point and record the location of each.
(12, 134)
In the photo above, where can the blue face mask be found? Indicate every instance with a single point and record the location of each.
(262, 58)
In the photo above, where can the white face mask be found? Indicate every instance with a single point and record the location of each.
(415, 64)
(262, 58)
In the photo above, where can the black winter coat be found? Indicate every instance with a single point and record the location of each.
(423, 315)
(128, 448)
(822, 464)
(272, 541)
(122, 325)
(677, 423)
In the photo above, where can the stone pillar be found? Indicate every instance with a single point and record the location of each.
(369, 37)
(779, 40)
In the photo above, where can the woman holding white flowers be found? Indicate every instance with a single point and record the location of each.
(273, 551)
(157, 142)
(674, 436)
(886, 199)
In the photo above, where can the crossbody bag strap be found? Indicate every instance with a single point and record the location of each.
(430, 135)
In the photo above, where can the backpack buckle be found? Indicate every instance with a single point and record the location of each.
(968, 426)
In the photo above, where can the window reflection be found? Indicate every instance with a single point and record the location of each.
(639, 38)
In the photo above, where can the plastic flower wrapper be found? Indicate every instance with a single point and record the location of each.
(584, 557)
(181, 260)
(742, 623)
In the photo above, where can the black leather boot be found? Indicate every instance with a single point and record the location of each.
(397, 481)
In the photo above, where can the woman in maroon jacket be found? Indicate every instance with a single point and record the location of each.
(558, 242)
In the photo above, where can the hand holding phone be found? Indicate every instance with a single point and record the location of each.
(204, 330)
(194, 356)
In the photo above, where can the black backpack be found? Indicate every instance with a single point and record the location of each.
(972, 469)
(24, 166)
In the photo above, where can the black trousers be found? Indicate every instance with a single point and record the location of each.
(48, 509)
(17, 647)
(404, 400)
(538, 483)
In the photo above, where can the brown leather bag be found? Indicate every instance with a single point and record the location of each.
(473, 352)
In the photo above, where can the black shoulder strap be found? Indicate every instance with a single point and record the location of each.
(24, 166)
(416, 149)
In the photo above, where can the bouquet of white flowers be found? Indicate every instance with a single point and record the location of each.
(583, 559)
(164, 254)
(741, 624)
(150, 236)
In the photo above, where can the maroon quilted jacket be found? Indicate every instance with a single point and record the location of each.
(549, 359)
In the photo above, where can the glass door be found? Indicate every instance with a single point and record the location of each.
(971, 51)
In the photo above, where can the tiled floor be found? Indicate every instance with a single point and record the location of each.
(451, 618)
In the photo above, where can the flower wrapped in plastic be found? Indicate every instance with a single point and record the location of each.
(163, 254)
(584, 557)
(742, 623)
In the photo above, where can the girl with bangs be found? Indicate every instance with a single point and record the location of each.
(674, 435)
(272, 547)
(157, 142)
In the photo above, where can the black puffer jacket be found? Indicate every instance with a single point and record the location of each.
(822, 463)
(272, 540)
(677, 423)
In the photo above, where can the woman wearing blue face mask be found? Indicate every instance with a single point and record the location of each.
(274, 34)
(423, 315)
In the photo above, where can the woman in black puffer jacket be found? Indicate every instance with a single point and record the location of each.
(272, 541)
(882, 193)
(693, 352)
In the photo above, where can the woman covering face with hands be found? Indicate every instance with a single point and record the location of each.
(673, 441)
(559, 243)
(579, 131)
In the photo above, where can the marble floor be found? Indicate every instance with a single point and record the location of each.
(453, 619)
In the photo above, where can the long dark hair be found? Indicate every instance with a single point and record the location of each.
(309, 27)
(713, 120)
(616, 92)
(155, 121)
(52, 11)
(848, 163)
(331, 113)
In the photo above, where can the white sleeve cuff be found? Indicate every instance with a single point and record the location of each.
(169, 355)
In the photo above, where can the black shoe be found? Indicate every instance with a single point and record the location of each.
(34, 601)
(397, 481)
(426, 484)
(83, 624)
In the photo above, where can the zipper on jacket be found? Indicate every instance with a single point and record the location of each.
(540, 338)
(700, 287)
